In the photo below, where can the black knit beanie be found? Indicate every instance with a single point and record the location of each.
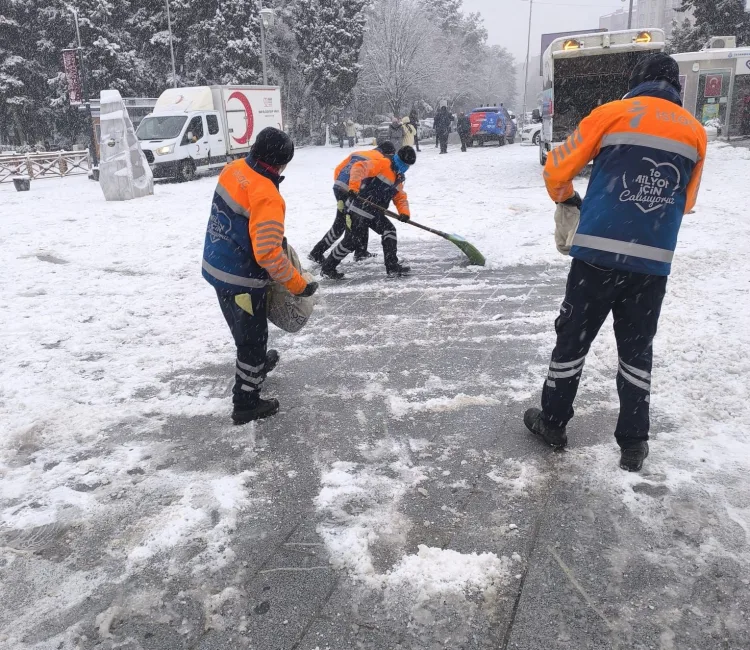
(656, 67)
(273, 147)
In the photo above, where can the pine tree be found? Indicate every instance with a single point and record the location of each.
(712, 18)
(446, 14)
(330, 35)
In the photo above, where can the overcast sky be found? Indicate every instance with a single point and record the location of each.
(507, 20)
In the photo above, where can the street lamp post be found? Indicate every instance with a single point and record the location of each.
(630, 15)
(171, 46)
(266, 21)
(84, 89)
(526, 70)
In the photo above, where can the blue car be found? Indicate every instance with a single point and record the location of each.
(492, 124)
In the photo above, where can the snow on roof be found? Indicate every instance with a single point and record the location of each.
(714, 54)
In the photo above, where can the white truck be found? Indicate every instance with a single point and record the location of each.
(192, 130)
(582, 72)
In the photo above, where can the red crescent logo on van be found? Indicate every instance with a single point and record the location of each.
(245, 138)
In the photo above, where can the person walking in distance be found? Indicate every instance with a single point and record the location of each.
(443, 121)
(414, 120)
(243, 253)
(373, 184)
(351, 132)
(395, 133)
(409, 132)
(340, 131)
(463, 126)
(648, 155)
(340, 191)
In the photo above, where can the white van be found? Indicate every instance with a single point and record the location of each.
(192, 130)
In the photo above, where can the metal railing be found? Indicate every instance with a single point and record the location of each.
(55, 164)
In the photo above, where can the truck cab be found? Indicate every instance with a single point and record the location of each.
(193, 130)
(181, 138)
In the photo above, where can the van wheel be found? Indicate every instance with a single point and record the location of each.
(536, 139)
(186, 171)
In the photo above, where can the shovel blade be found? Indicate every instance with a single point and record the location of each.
(471, 251)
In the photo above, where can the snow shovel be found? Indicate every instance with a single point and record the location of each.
(475, 257)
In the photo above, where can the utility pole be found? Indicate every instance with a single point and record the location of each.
(526, 70)
(84, 89)
(171, 46)
(630, 15)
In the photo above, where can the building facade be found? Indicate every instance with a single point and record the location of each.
(616, 21)
(659, 13)
(647, 13)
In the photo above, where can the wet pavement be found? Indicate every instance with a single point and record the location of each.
(430, 373)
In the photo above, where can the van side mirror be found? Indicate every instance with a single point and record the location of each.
(536, 116)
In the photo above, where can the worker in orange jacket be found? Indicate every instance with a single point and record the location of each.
(374, 184)
(244, 252)
(648, 155)
(340, 190)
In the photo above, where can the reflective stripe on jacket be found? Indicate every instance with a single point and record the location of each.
(344, 169)
(377, 181)
(648, 157)
(243, 247)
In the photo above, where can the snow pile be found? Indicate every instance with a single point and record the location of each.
(359, 507)
(436, 572)
(400, 407)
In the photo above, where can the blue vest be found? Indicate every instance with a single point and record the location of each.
(636, 198)
(341, 184)
(228, 259)
(379, 190)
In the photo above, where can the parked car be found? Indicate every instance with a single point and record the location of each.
(532, 134)
(426, 129)
(532, 130)
(492, 124)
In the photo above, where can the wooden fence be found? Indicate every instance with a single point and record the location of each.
(55, 164)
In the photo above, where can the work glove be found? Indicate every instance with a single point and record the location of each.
(566, 223)
(309, 290)
(574, 201)
(403, 217)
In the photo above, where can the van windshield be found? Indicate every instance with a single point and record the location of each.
(162, 127)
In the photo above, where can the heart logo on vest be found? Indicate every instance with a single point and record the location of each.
(652, 186)
(219, 225)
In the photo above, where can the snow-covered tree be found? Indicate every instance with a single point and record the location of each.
(712, 18)
(398, 57)
(329, 34)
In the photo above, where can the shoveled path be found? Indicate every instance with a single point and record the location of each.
(434, 371)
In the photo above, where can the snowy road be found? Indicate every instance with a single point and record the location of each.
(396, 501)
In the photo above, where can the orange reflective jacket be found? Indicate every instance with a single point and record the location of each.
(648, 155)
(243, 248)
(377, 181)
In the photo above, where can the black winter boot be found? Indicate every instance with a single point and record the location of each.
(328, 269)
(263, 408)
(362, 255)
(555, 438)
(398, 270)
(316, 256)
(272, 360)
(631, 458)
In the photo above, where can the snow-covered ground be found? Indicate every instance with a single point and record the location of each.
(102, 302)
